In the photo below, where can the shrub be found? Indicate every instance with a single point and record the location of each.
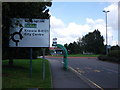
(102, 57)
(108, 58)
(114, 53)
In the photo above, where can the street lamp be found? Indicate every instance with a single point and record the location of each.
(106, 31)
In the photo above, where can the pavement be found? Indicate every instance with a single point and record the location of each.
(65, 79)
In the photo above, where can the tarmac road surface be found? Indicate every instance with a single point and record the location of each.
(104, 74)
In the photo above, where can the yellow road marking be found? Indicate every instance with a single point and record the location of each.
(86, 79)
(96, 70)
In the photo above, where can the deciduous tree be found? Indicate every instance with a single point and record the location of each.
(93, 42)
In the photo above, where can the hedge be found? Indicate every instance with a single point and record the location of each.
(113, 56)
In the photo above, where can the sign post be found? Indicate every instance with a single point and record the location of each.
(30, 63)
(30, 33)
(43, 64)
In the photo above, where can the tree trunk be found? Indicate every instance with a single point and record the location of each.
(10, 57)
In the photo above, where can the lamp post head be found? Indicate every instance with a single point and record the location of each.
(106, 11)
(103, 10)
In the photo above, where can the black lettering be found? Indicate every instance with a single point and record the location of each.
(27, 34)
(39, 30)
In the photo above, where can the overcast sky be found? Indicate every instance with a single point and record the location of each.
(71, 20)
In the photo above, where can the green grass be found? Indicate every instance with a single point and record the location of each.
(18, 75)
(79, 55)
(82, 55)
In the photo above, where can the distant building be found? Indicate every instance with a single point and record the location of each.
(88, 53)
(55, 51)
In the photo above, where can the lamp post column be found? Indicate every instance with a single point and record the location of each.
(106, 31)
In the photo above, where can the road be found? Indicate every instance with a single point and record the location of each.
(104, 74)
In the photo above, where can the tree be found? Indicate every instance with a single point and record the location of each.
(76, 48)
(20, 10)
(66, 46)
(80, 46)
(72, 48)
(93, 42)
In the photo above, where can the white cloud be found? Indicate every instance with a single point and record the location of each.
(56, 23)
(113, 22)
(72, 31)
(67, 34)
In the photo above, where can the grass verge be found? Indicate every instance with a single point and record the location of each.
(83, 55)
(17, 76)
(78, 55)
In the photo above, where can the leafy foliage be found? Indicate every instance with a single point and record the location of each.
(93, 42)
(73, 48)
(110, 59)
(114, 53)
(113, 56)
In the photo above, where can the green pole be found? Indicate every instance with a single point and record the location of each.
(65, 54)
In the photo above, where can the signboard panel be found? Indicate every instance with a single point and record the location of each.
(29, 33)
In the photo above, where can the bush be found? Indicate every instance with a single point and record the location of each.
(108, 58)
(102, 57)
(114, 53)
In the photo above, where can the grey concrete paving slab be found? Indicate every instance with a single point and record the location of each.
(65, 79)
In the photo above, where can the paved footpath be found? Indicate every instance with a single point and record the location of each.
(64, 79)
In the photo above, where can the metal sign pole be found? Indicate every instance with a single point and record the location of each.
(30, 75)
(43, 65)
